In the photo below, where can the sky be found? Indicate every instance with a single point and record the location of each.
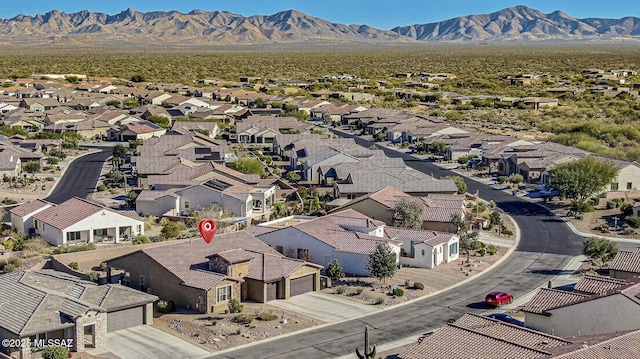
(382, 14)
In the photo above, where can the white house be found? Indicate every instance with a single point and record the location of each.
(75, 220)
(347, 236)
(425, 249)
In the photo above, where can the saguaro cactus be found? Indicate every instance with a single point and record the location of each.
(369, 351)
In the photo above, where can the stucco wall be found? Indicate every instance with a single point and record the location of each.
(604, 315)
(629, 174)
(373, 209)
(157, 207)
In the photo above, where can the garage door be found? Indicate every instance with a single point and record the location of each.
(125, 318)
(301, 285)
(272, 291)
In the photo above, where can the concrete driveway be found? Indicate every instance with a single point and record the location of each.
(146, 342)
(326, 307)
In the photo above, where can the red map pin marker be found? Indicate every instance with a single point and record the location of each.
(208, 229)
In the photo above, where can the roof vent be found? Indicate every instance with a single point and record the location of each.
(545, 342)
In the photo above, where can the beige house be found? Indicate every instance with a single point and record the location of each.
(204, 277)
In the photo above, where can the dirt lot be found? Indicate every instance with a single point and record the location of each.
(219, 331)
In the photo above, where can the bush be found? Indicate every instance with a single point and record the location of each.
(503, 179)
(507, 232)
(359, 291)
(52, 161)
(379, 300)
(492, 249)
(74, 265)
(8, 245)
(141, 240)
(407, 283)
(340, 290)
(581, 207)
(398, 292)
(8, 201)
(49, 179)
(101, 188)
(235, 306)
(243, 319)
(172, 229)
(516, 178)
(626, 209)
(93, 276)
(418, 286)
(57, 352)
(72, 249)
(32, 167)
(633, 221)
(267, 316)
(166, 306)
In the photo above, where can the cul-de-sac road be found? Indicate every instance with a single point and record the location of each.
(546, 246)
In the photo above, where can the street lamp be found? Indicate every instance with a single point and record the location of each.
(615, 223)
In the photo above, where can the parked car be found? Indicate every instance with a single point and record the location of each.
(497, 299)
(505, 318)
(549, 192)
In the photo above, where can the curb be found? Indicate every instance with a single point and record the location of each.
(484, 272)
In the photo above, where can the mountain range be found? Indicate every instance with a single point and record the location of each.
(198, 27)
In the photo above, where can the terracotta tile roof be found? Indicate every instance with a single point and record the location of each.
(269, 267)
(546, 299)
(432, 238)
(626, 346)
(187, 260)
(597, 284)
(627, 261)
(354, 242)
(234, 256)
(71, 212)
(30, 207)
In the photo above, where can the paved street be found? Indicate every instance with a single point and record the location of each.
(335, 308)
(547, 245)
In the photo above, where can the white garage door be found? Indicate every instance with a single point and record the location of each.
(125, 318)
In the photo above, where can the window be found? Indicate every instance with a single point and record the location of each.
(223, 294)
(629, 185)
(303, 254)
(614, 186)
(73, 236)
(453, 249)
(423, 252)
(280, 249)
(351, 196)
(35, 223)
(186, 205)
(143, 286)
(100, 232)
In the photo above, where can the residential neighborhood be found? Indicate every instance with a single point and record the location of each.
(324, 197)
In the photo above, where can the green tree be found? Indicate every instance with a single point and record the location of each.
(279, 210)
(468, 240)
(408, 214)
(600, 250)
(119, 151)
(334, 270)
(460, 183)
(247, 166)
(293, 176)
(73, 79)
(32, 167)
(134, 144)
(161, 121)
(582, 178)
(171, 230)
(382, 262)
(495, 219)
(57, 352)
(130, 198)
(138, 78)
(438, 147)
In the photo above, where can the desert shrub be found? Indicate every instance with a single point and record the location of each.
(70, 249)
(398, 292)
(492, 249)
(9, 201)
(55, 352)
(633, 221)
(141, 240)
(93, 276)
(101, 188)
(8, 244)
(243, 319)
(407, 283)
(379, 300)
(166, 306)
(628, 232)
(503, 179)
(74, 265)
(267, 316)
(418, 286)
(49, 179)
(235, 306)
(507, 232)
(626, 209)
(359, 291)
(581, 207)
(340, 290)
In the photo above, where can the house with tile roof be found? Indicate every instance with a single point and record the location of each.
(209, 128)
(47, 305)
(626, 264)
(574, 313)
(75, 221)
(437, 209)
(477, 337)
(204, 277)
(347, 236)
(425, 249)
(140, 130)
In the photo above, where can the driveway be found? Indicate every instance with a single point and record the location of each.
(145, 342)
(326, 307)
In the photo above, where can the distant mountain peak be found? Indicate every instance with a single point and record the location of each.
(199, 27)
